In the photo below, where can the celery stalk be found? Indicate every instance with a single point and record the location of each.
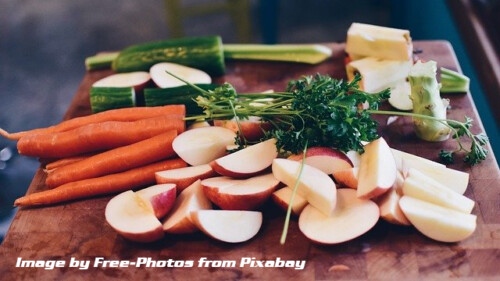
(302, 53)
(453, 82)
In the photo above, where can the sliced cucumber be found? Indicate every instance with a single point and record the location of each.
(138, 80)
(178, 95)
(400, 96)
(106, 98)
(311, 53)
(164, 80)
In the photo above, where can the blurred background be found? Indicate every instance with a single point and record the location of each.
(43, 45)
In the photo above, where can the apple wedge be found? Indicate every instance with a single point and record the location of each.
(252, 129)
(184, 177)
(198, 124)
(347, 177)
(202, 145)
(326, 159)
(420, 186)
(377, 170)
(190, 200)
(248, 161)
(131, 217)
(159, 198)
(352, 218)
(138, 80)
(239, 194)
(228, 226)
(313, 185)
(354, 156)
(164, 80)
(283, 196)
(436, 222)
(389, 203)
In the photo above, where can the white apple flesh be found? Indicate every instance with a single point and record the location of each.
(239, 194)
(377, 170)
(389, 203)
(313, 185)
(160, 198)
(203, 145)
(184, 177)
(252, 129)
(436, 222)
(190, 200)
(326, 159)
(164, 80)
(247, 162)
(283, 196)
(347, 177)
(132, 218)
(352, 218)
(228, 226)
(138, 80)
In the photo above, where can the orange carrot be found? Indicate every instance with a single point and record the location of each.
(131, 179)
(116, 160)
(64, 161)
(122, 114)
(96, 137)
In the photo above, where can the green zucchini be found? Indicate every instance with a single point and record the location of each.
(176, 95)
(204, 53)
(106, 98)
(300, 53)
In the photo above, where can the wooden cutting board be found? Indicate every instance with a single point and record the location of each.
(78, 229)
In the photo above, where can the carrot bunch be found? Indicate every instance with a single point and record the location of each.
(104, 153)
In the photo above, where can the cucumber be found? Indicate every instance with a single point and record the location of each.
(300, 53)
(176, 95)
(204, 53)
(106, 98)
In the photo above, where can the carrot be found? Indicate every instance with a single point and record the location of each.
(131, 179)
(122, 114)
(96, 137)
(64, 161)
(116, 160)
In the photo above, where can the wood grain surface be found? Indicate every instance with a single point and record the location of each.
(387, 252)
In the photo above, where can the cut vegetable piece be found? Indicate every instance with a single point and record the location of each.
(352, 218)
(159, 198)
(248, 161)
(377, 170)
(184, 177)
(389, 204)
(283, 196)
(164, 80)
(400, 96)
(355, 157)
(347, 177)
(102, 99)
(377, 74)
(190, 200)
(326, 159)
(234, 194)
(130, 216)
(228, 226)
(313, 185)
(138, 80)
(198, 124)
(453, 82)
(420, 186)
(311, 54)
(436, 222)
(203, 145)
(379, 42)
(177, 95)
(252, 129)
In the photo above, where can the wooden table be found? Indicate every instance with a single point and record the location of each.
(78, 229)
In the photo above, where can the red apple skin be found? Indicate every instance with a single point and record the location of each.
(346, 178)
(181, 184)
(224, 172)
(151, 236)
(325, 151)
(251, 130)
(243, 202)
(162, 203)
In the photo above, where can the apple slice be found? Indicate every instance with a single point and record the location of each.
(314, 185)
(347, 177)
(138, 80)
(237, 194)
(184, 177)
(354, 156)
(326, 159)
(377, 170)
(159, 198)
(202, 145)
(389, 203)
(420, 186)
(436, 222)
(198, 124)
(283, 196)
(352, 218)
(190, 199)
(132, 218)
(248, 161)
(252, 129)
(164, 80)
(228, 226)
